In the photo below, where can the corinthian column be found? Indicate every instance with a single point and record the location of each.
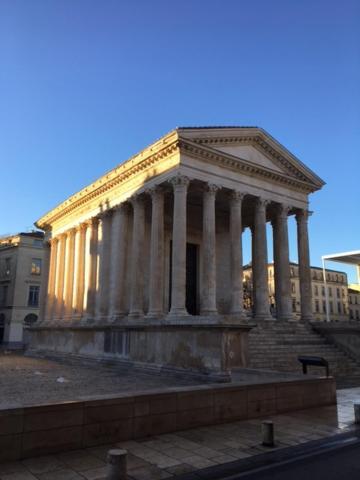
(282, 264)
(137, 258)
(60, 267)
(208, 290)
(50, 298)
(104, 247)
(304, 264)
(156, 288)
(236, 256)
(79, 270)
(69, 272)
(119, 240)
(91, 249)
(178, 274)
(259, 262)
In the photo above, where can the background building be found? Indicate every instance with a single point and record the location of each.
(354, 302)
(21, 272)
(337, 290)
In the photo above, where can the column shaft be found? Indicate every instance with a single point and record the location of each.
(304, 265)
(156, 287)
(50, 297)
(259, 262)
(282, 264)
(178, 274)
(91, 266)
(60, 267)
(79, 270)
(236, 256)
(208, 290)
(69, 272)
(104, 251)
(119, 240)
(137, 258)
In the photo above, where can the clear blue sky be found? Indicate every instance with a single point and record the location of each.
(85, 84)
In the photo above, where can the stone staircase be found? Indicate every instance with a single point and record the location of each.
(275, 345)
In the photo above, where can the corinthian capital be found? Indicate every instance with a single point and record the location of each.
(179, 181)
(302, 215)
(211, 188)
(236, 196)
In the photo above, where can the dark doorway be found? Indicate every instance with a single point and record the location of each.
(191, 277)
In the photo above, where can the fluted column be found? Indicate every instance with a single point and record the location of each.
(69, 272)
(104, 251)
(304, 265)
(259, 262)
(178, 274)
(91, 253)
(119, 240)
(156, 287)
(208, 288)
(236, 255)
(282, 264)
(50, 297)
(79, 270)
(137, 258)
(60, 267)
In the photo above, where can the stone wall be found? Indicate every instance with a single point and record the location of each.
(45, 429)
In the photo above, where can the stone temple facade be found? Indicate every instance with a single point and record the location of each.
(145, 264)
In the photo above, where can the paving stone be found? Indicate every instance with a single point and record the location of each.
(11, 467)
(66, 474)
(95, 474)
(44, 464)
(18, 476)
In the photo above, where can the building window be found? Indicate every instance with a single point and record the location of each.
(324, 306)
(331, 307)
(317, 309)
(351, 314)
(338, 292)
(330, 292)
(292, 272)
(339, 307)
(36, 266)
(343, 292)
(350, 299)
(316, 290)
(357, 314)
(37, 243)
(323, 291)
(7, 266)
(344, 307)
(355, 298)
(292, 287)
(294, 304)
(3, 295)
(33, 300)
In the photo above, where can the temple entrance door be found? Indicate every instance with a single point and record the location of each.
(191, 278)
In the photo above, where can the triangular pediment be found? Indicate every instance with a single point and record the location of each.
(254, 147)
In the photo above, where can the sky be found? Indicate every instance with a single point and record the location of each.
(84, 84)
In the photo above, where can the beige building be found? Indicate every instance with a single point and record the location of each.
(354, 301)
(21, 274)
(336, 291)
(146, 262)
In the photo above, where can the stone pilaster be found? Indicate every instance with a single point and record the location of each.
(156, 287)
(119, 242)
(50, 297)
(259, 262)
(104, 259)
(79, 270)
(69, 272)
(178, 274)
(60, 268)
(304, 265)
(282, 264)
(91, 266)
(208, 289)
(137, 258)
(236, 255)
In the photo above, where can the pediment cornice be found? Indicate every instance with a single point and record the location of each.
(233, 162)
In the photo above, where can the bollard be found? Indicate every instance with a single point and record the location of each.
(267, 430)
(357, 412)
(116, 464)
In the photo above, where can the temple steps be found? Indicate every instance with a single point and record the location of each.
(276, 345)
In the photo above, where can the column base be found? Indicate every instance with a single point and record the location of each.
(178, 312)
(136, 314)
(306, 318)
(208, 313)
(155, 315)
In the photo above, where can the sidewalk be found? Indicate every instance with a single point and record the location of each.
(169, 455)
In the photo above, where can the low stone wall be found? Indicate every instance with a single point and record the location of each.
(211, 349)
(44, 429)
(346, 335)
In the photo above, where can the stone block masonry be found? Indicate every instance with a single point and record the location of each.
(43, 429)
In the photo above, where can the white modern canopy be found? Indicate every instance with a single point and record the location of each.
(349, 258)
